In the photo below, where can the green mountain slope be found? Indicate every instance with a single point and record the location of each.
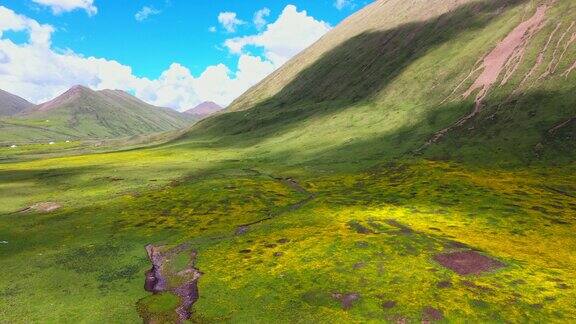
(11, 104)
(81, 113)
(481, 81)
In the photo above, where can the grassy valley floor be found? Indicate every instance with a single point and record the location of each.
(287, 242)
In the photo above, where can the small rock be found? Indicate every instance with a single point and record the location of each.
(45, 207)
(346, 299)
(432, 314)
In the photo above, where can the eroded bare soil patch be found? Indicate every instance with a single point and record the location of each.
(468, 262)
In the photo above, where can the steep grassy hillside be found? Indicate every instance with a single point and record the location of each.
(81, 113)
(479, 81)
(414, 166)
(11, 104)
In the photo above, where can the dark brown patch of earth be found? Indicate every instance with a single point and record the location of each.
(359, 228)
(270, 245)
(468, 262)
(359, 265)
(430, 314)
(346, 299)
(444, 284)
(562, 286)
(403, 228)
(188, 294)
(246, 251)
(389, 304)
(283, 240)
(278, 254)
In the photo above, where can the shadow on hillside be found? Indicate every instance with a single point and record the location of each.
(509, 131)
(351, 73)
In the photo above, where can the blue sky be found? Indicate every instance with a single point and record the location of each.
(158, 40)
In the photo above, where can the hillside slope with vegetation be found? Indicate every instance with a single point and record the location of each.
(416, 165)
(81, 113)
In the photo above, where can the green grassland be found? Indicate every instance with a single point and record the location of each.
(372, 209)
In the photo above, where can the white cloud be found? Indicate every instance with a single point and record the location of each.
(61, 6)
(229, 21)
(212, 29)
(291, 33)
(341, 4)
(36, 71)
(260, 17)
(146, 12)
(39, 35)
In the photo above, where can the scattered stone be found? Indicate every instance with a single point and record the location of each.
(245, 251)
(346, 299)
(431, 314)
(241, 230)
(270, 245)
(278, 254)
(283, 241)
(45, 207)
(389, 304)
(3, 242)
(468, 262)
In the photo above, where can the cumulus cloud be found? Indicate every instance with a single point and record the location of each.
(39, 35)
(61, 6)
(36, 71)
(146, 12)
(341, 4)
(292, 32)
(229, 21)
(260, 18)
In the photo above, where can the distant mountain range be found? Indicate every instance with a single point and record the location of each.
(11, 104)
(82, 113)
(204, 109)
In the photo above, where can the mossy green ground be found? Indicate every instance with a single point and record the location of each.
(86, 262)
